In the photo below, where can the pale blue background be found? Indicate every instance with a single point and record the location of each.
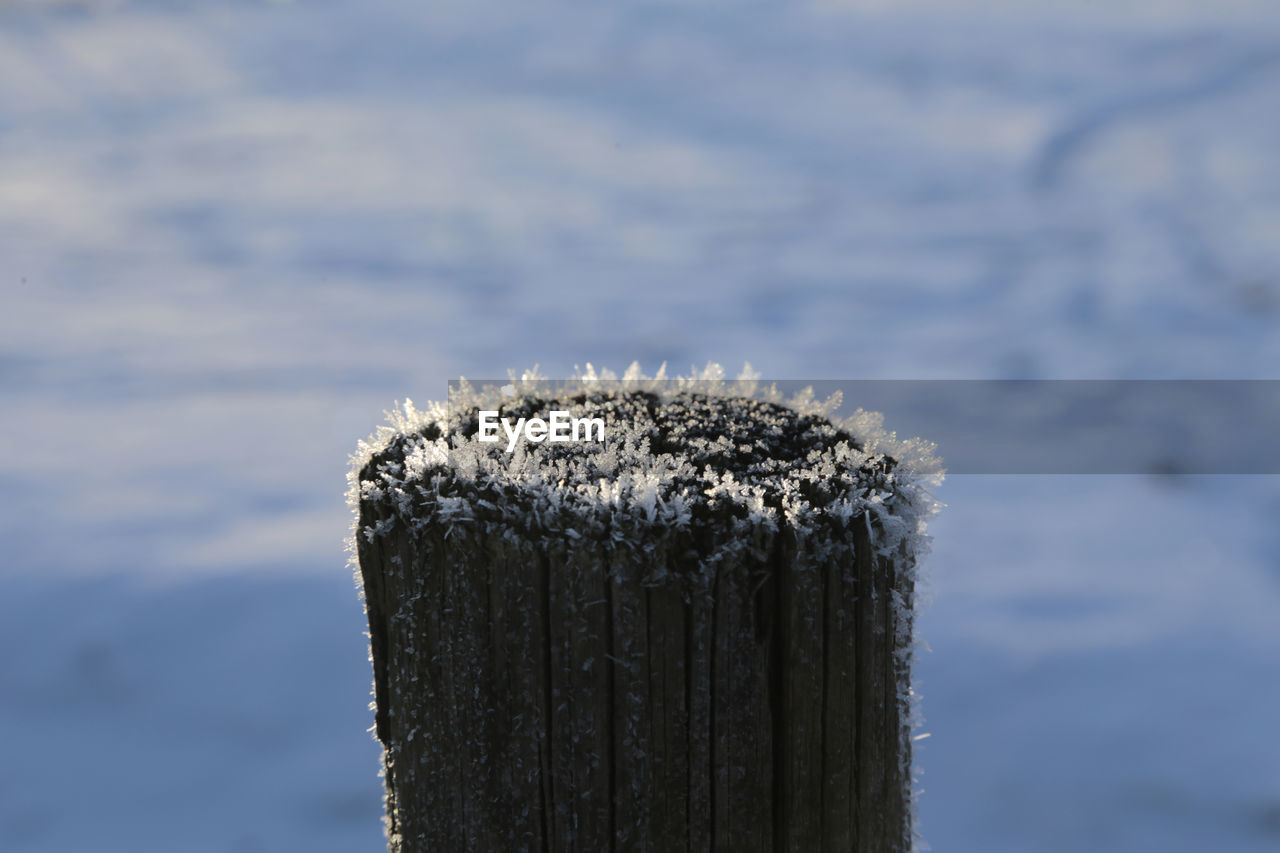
(232, 233)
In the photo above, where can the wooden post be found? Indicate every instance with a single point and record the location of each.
(692, 636)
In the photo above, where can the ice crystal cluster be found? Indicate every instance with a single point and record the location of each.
(676, 450)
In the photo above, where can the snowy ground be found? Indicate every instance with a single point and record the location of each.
(233, 233)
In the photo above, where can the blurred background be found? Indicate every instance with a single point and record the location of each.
(233, 233)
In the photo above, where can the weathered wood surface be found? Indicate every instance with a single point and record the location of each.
(553, 685)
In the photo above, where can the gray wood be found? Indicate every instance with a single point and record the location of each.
(551, 685)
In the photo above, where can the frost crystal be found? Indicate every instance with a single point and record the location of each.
(673, 445)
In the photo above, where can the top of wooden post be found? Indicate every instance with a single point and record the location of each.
(676, 451)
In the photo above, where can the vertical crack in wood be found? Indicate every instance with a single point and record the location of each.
(774, 615)
(827, 722)
(548, 793)
(610, 709)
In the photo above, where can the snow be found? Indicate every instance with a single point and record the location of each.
(234, 233)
